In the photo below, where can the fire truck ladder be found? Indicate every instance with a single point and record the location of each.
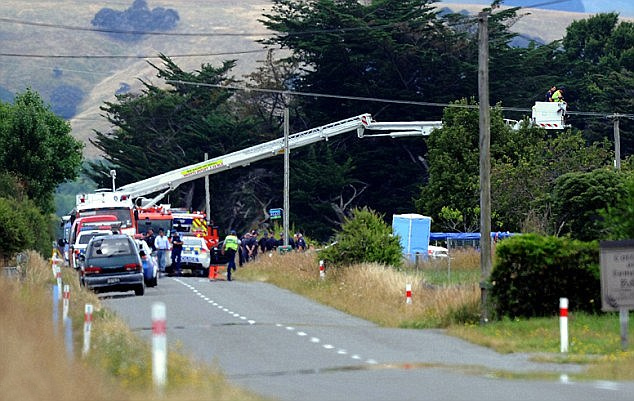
(169, 181)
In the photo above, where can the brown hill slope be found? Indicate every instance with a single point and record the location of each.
(100, 78)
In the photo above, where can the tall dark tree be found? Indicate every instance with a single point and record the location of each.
(387, 49)
(596, 64)
(579, 198)
(162, 129)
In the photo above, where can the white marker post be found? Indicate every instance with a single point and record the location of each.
(87, 328)
(159, 346)
(563, 323)
(65, 302)
(322, 270)
(408, 293)
(58, 276)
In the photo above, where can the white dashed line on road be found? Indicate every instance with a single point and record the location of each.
(316, 340)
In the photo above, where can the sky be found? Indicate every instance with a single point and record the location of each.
(625, 8)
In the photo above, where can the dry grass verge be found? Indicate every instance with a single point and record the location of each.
(34, 363)
(370, 291)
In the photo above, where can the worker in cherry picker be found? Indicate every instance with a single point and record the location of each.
(558, 95)
(549, 94)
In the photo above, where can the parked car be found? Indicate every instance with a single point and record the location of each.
(437, 252)
(81, 242)
(112, 263)
(195, 255)
(149, 262)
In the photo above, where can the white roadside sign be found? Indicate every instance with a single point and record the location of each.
(617, 275)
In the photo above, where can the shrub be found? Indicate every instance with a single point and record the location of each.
(364, 237)
(14, 230)
(532, 272)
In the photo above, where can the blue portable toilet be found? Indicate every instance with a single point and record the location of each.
(414, 231)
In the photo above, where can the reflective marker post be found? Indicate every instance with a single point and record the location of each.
(563, 323)
(159, 346)
(65, 302)
(87, 329)
(408, 293)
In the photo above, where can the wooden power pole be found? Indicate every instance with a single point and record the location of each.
(485, 160)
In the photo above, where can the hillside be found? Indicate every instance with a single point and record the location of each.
(100, 78)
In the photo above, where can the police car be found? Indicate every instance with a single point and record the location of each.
(195, 254)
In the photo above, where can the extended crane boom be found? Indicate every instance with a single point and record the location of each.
(167, 182)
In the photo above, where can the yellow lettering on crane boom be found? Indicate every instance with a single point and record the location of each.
(212, 165)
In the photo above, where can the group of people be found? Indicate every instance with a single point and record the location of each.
(246, 247)
(249, 246)
(555, 94)
(161, 245)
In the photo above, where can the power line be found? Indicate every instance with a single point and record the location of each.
(374, 99)
(192, 34)
(111, 56)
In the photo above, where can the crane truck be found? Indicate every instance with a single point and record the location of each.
(127, 199)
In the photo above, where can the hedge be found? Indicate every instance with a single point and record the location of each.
(532, 272)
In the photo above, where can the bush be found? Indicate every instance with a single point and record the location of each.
(532, 272)
(14, 230)
(364, 237)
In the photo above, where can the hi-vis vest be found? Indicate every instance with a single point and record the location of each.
(231, 242)
(557, 96)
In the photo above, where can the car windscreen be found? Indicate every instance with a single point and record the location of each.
(106, 247)
(155, 225)
(84, 239)
(124, 215)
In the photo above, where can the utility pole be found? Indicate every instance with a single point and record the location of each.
(207, 195)
(286, 176)
(617, 141)
(113, 174)
(485, 160)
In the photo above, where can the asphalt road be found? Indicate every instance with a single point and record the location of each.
(284, 346)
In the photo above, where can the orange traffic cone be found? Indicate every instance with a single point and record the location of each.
(213, 272)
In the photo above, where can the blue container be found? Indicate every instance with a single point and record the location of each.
(414, 231)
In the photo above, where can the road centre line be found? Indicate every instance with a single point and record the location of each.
(315, 340)
(214, 303)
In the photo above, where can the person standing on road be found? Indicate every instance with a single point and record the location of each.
(149, 238)
(262, 242)
(251, 247)
(229, 248)
(177, 249)
(300, 243)
(162, 245)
